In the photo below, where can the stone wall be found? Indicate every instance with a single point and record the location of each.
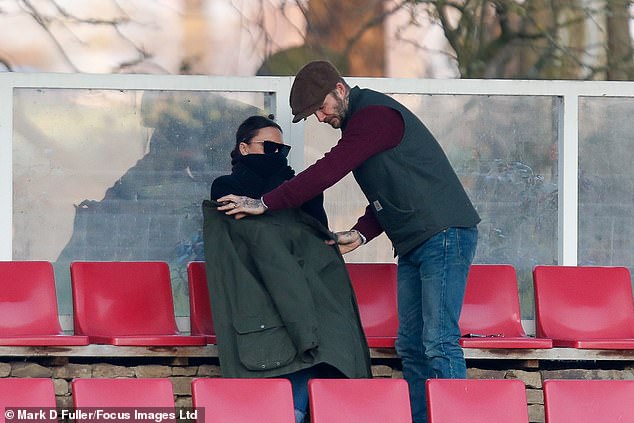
(181, 371)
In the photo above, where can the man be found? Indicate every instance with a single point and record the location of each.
(414, 196)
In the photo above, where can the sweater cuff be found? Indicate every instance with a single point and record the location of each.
(363, 240)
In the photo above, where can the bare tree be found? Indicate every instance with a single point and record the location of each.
(529, 39)
(351, 34)
(554, 39)
(353, 29)
(620, 61)
(545, 39)
(62, 28)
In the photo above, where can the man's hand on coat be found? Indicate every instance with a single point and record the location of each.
(241, 206)
(347, 241)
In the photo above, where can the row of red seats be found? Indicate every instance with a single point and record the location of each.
(504, 401)
(578, 307)
(118, 303)
(334, 400)
(130, 303)
(219, 400)
(588, 307)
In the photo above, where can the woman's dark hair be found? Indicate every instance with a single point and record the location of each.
(248, 129)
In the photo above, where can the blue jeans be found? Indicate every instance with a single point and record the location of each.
(299, 382)
(431, 285)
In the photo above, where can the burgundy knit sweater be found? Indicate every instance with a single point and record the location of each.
(370, 131)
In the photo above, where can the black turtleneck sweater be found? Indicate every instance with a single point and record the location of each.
(253, 175)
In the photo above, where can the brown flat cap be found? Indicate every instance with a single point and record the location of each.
(312, 84)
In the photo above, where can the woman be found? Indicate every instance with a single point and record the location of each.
(278, 275)
(259, 164)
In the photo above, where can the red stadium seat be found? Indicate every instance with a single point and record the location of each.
(28, 306)
(122, 393)
(588, 401)
(491, 315)
(23, 393)
(374, 285)
(244, 400)
(584, 307)
(359, 401)
(476, 401)
(200, 317)
(126, 303)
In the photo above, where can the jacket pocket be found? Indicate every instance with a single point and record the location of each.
(263, 343)
(397, 220)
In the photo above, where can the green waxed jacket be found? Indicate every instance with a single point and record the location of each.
(281, 298)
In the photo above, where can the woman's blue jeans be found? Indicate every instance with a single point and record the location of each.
(431, 286)
(299, 382)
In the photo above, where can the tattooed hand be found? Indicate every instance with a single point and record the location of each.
(347, 240)
(241, 206)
